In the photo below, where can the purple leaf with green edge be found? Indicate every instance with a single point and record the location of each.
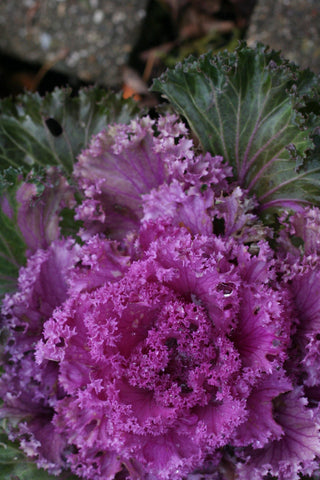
(54, 129)
(14, 465)
(41, 199)
(36, 133)
(259, 112)
(30, 216)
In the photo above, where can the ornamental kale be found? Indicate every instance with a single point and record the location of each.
(162, 326)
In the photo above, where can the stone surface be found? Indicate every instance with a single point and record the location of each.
(292, 26)
(90, 39)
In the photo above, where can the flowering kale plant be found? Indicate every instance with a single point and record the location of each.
(161, 288)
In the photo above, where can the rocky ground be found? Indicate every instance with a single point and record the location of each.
(126, 43)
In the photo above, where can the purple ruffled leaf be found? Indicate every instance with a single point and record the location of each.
(148, 361)
(100, 261)
(260, 336)
(305, 290)
(123, 165)
(29, 392)
(299, 234)
(260, 426)
(119, 166)
(38, 215)
(311, 360)
(296, 451)
(191, 209)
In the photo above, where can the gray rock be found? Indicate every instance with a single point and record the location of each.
(292, 26)
(90, 39)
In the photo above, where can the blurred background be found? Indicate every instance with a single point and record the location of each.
(124, 44)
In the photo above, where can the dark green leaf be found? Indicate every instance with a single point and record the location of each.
(54, 129)
(257, 111)
(12, 245)
(68, 225)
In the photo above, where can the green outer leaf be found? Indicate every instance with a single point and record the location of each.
(12, 248)
(12, 245)
(26, 140)
(250, 107)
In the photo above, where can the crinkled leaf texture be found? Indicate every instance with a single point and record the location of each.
(260, 113)
(54, 129)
